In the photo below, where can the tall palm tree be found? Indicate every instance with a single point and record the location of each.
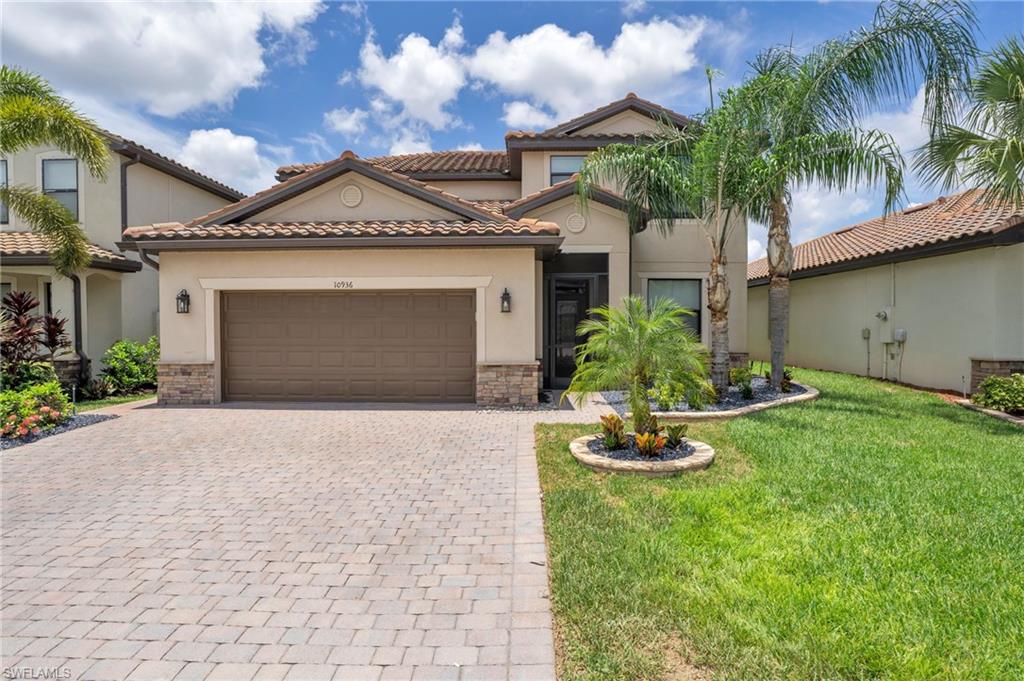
(702, 171)
(33, 114)
(987, 149)
(808, 110)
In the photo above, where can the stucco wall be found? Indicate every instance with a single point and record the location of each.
(954, 307)
(627, 122)
(480, 189)
(503, 338)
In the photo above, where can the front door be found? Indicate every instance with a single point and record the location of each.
(570, 300)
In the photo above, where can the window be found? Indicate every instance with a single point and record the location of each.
(47, 298)
(683, 292)
(60, 180)
(4, 217)
(5, 288)
(564, 167)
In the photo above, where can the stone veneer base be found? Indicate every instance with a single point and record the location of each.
(983, 368)
(507, 385)
(701, 458)
(185, 383)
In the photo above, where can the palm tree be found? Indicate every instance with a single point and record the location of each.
(987, 151)
(808, 110)
(33, 114)
(702, 171)
(636, 345)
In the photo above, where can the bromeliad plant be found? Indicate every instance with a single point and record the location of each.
(634, 345)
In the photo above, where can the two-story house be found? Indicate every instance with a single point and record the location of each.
(115, 297)
(440, 276)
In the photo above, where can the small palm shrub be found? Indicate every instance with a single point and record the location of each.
(131, 366)
(743, 379)
(634, 345)
(613, 431)
(32, 410)
(1005, 393)
(675, 433)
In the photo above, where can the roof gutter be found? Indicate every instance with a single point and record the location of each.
(95, 263)
(148, 158)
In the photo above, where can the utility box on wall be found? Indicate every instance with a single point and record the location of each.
(885, 324)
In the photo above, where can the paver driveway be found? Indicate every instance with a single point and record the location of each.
(301, 543)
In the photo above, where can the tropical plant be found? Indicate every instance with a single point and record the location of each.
(986, 149)
(20, 330)
(808, 111)
(675, 433)
(33, 114)
(666, 395)
(649, 444)
(52, 334)
(1005, 393)
(613, 431)
(700, 171)
(742, 379)
(131, 366)
(628, 346)
(32, 410)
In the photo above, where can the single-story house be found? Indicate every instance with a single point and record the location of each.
(442, 276)
(114, 297)
(932, 296)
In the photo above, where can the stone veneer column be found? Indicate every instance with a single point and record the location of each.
(507, 384)
(185, 383)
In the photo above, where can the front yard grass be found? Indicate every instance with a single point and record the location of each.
(877, 532)
(90, 405)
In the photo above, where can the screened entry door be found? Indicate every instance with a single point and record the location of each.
(570, 300)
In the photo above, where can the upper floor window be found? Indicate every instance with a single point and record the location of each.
(4, 217)
(683, 292)
(60, 180)
(564, 167)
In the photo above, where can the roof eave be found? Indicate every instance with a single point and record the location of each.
(148, 158)
(126, 265)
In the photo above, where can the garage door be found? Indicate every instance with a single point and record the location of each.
(349, 346)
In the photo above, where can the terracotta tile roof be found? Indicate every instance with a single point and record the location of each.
(18, 244)
(587, 140)
(495, 205)
(283, 188)
(946, 219)
(430, 162)
(354, 229)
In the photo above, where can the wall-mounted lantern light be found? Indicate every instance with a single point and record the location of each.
(506, 301)
(183, 301)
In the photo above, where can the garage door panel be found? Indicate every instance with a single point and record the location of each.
(336, 346)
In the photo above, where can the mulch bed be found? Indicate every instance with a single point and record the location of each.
(630, 453)
(763, 392)
(74, 422)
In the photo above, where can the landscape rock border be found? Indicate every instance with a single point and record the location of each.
(1009, 418)
(702, 457)
(669, 416)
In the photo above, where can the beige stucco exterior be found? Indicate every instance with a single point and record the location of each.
(115, 305)
(953, 307)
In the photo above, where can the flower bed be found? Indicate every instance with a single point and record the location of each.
(690, 455)
(734, 404)
(71, 424)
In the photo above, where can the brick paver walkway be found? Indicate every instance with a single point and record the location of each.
(274, 543)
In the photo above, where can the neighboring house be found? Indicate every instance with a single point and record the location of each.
(932, 296)
(444, 276)
(114, 297)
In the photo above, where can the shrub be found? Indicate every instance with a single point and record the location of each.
(131, 366)
(613, 431)
(32, 410)
(666, 395)
(743, 379)
(1005, 393)
(97, 389)
(649, 444)
(25, 374)
(786, 384)
(675, 433)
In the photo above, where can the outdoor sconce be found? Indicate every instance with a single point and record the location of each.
(506, 301)
(183, 301)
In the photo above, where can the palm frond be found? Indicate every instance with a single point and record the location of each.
(69, 249)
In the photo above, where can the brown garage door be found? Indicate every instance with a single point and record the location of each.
(354, 346)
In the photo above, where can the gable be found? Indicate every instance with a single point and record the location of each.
(623, 123)
(333, 202)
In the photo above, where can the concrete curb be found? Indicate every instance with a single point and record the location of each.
(1003, 416)
(699, 460)
(690, 416)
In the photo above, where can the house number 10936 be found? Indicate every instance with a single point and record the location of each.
(344, 284)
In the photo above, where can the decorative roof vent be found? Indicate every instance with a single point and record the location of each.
(575, 223)
(351, 195)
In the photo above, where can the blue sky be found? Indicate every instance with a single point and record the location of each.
(235, 89)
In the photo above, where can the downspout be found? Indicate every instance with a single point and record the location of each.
(124, 190)
(83, 360)
(146, 258)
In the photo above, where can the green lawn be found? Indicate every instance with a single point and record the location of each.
(877, 532)
(89, 405)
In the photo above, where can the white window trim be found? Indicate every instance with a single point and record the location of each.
(57, 155)
(705, 315)
(547, 165)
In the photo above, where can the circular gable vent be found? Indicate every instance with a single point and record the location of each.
(351, 195)
(576, 223)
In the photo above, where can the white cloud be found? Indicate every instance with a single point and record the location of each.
(422, 78)
(237, 160)
(816, 211)
(410, 140)
(170, 57)
(755, 250)
(524, 115)
(569, 74)
(317, 144)
(470, 146)
(631, 8)
(348, 122)
(906, 125)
